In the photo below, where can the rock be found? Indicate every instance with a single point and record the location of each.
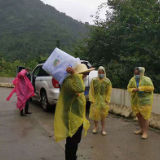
(120, 110)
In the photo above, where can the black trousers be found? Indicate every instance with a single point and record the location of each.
(72, 145)
(26, 107)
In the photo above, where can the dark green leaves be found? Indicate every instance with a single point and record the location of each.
(127, 38)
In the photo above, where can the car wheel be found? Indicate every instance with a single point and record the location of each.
(44, 102)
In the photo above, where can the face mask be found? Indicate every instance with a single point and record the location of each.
(137, 76)
(101, 75)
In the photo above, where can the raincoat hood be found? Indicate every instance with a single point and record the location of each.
(141, 70)
(103, 69)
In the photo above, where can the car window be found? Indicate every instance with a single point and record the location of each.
(42, 73)
(89, 65)
(36, 72)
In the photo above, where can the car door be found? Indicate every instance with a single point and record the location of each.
(34, 78)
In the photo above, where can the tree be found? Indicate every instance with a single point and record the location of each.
(127, 38)
(31, 28)
(58, 43)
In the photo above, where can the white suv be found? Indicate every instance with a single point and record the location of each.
(47, 89)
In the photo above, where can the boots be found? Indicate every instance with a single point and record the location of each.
(26, 109)
(21, 113)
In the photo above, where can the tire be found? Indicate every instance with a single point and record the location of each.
(44, 102)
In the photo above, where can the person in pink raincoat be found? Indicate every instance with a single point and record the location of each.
(24, 91)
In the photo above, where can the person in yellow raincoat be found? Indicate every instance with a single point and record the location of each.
(141, 89)
(70, 115)
(99, 96)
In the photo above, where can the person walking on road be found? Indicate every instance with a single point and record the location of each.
(70, 118)
(141, 89)
(99, 96)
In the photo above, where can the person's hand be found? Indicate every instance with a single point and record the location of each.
(70, 70)
(107, 103)
(135, 90)
(92, 103)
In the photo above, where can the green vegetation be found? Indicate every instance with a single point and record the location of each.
(8, 69)
(29, 29)
(128, 38)
(29, 32)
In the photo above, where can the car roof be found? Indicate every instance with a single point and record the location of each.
(40, 64)
(84, 61)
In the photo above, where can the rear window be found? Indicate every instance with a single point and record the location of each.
(42, 73)
(90, 66)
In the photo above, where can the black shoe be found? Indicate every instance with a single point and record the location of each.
(23, 114)
(28, 113)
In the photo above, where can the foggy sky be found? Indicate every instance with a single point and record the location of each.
(78, 9)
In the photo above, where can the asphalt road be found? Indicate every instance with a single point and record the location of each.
(32, 137)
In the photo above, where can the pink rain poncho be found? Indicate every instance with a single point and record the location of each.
(23, 89)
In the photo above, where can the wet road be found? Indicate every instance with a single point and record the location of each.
(32, 138)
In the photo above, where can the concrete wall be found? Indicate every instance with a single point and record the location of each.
(123, 97)
(6, 79)
(120, 97)
(156, 104)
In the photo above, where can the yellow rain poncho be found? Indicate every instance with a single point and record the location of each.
(142, 100)
(71, 108)
(99, 96)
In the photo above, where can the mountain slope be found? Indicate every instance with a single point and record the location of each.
(29, 28)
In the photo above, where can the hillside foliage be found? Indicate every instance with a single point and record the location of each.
(129, 37)
(29, 29)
